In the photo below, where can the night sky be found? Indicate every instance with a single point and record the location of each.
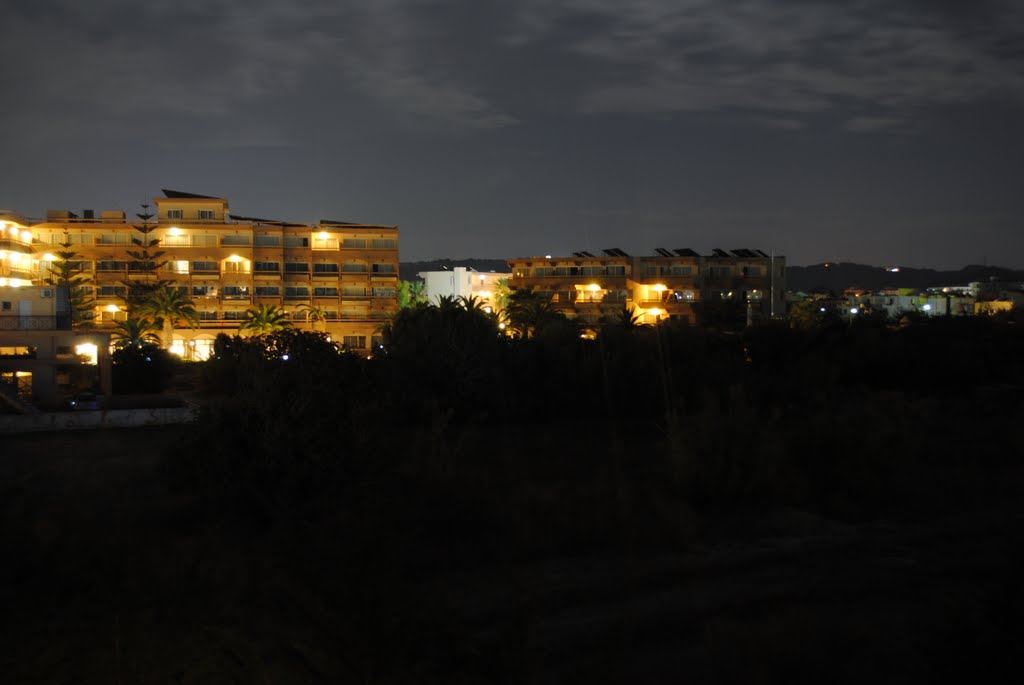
(871, 131)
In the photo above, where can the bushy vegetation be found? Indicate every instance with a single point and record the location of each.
(851, 421)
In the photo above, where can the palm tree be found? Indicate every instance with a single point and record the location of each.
(169, 307)
(417, 292)
(629, 319)
(315, 315)
(528, 312)
(135, 333)
(265, 319)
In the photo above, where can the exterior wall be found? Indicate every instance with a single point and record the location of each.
(228, 266)
(462, 282)
(658, 287)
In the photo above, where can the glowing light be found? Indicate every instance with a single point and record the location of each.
(547, 256)
(593, 287)
(26, 236)
(234, 258)
(89, 350)
(14, 230)
(854, 310)
(822, 309)
(660, 288)
(178, 348)
(654, 312)
(112, 308)
(174, 230)
(49, 257)
(3, 282)
(323, 235)
(501, 326)
(927, 307)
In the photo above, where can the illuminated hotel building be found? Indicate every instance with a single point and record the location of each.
(672, 284)
(227, 264)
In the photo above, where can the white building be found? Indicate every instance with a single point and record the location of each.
(462, 282)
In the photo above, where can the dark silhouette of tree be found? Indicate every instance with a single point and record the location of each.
(135, 332)
(265, 319)
(66, 272)
(169, 307)
(144, 262)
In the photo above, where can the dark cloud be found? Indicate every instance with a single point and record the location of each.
(496, 126)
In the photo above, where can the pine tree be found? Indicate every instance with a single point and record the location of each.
(65, 271)
(144, 261)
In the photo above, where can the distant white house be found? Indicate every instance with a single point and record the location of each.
(462, 282)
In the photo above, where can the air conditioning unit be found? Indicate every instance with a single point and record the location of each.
(46, 292)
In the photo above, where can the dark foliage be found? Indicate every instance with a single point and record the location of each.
(142, 369)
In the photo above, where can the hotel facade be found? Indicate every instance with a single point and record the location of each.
(346, 273)
(672, 284)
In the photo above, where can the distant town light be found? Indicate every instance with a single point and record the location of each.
(854, 310)
(894, 269)
(822, 309)
(547, 256)
(927, 307)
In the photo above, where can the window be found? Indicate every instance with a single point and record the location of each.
(384, 292)
(354, 243)
(325, 268)
(593, 271)
(752, 271)
(355, 341)
(268, 291)
(235, 241)
(176, 241)
(207, 215)
(543, 271)
(204, 241)
(616, 271)
(80, 265)
(377, 341)
(679, 270)
(236, 292)
(354, 291)
(325, 243)
(718, 272)
(383, 268)
(241, 266)
(179, 266)
(384, 243)
(204, 291)
(7, 306)
(111, 291)
(296, 267)
(354, 268)
(207, 314)
(235, 315)
(113, 239)
(295, 241)
(267, 241)
(325, 292)
(111, 265)
(204, 267)
(295, 292)
(267, 267)
(174, 214)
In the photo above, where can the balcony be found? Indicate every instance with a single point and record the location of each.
(61, 322)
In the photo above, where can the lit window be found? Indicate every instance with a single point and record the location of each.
(174, 214)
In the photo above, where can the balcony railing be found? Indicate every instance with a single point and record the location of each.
(60, 322)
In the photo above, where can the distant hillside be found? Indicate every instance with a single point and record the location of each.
(838, 276)
(407, 270)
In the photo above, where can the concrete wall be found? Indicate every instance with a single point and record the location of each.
(88, 420)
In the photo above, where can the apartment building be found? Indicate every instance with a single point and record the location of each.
(346, 272)
(671, 284)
